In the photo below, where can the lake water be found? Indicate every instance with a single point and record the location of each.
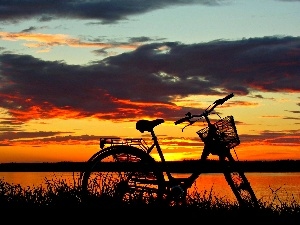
(273, 188)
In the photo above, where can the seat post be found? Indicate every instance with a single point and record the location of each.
(160, 153)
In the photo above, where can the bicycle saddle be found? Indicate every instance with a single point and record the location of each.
(147, 125)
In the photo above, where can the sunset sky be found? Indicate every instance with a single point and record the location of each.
(74, 71)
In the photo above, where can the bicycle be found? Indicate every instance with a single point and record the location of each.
(125, 170)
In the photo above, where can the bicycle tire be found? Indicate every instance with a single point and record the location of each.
(123, 184)
(238, 182)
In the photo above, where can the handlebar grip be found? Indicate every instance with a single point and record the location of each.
(228, 97)
(181, 120)
(222, 100)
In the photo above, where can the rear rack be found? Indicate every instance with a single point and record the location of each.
(138, 142)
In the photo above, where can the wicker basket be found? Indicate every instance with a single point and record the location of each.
(226, 130)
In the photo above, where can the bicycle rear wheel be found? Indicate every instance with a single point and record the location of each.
(123, 174)
(238, 182)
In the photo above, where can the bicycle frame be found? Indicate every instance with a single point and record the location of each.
(209, 145)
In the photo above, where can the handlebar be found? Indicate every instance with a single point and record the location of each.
(206, 112)
(222, 100)
(184, 119)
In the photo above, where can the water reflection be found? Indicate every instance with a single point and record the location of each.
(269, 187)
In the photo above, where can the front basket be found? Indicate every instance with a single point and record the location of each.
(226, 131)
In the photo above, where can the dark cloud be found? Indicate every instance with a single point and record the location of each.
(14, 137)
(286, 137)
(10, 122)
(106, 11)
(291, 118)
(294, 112)
(145, 82)
(10, 125)
(30, 29)
(20, 134)
(102, 52)
(140, 39)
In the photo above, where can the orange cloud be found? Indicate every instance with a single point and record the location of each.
(38, 40)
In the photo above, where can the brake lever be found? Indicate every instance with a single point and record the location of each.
(188, 114)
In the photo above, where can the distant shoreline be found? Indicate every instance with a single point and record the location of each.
(174, 166)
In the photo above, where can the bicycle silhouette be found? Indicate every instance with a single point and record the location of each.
(125, 170)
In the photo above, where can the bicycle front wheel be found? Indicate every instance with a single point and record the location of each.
(123, 174)
(238, 182)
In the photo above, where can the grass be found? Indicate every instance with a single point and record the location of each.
(60, 194)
